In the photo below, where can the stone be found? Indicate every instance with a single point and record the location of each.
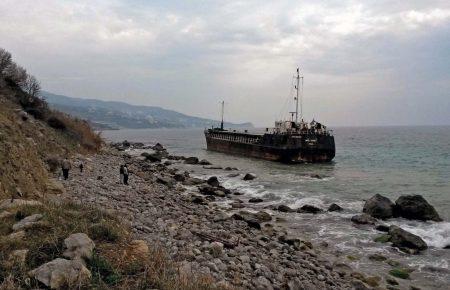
(198, 200)
(379, 206)
(377, 257)
(382, 228)
(391, 281)
(263, 216)
(249, 176)
(78, 246)
(248, 218)
(284, 208)
(204, 162)
(334, 207)
(216, 249)
(179, 177)
(309, 209)
(255, 200)
(213, 181)
(262, 283)
(363, 219)
(415, 207)
(233, 175)
(8, 203)
(360, 285)
(191, 160)
(166, 181)
(382, 238)
(152, 157)
(399, 273)
(158, 147)
(237, 205)
(27, 222)
(61, 273)
(404, 239)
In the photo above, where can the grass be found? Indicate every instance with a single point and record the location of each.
(115, 265)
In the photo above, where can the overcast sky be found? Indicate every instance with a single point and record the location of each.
(364, 62)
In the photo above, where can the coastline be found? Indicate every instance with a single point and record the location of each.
(238, 246)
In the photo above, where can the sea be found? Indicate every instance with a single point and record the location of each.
(391, 161)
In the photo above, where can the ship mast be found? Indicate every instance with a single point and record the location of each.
(221, 123)
(297, 88)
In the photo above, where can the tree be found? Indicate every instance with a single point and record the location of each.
(5, 60)
(32, 86)
(17, 74)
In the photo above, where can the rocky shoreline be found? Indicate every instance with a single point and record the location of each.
(245, 249)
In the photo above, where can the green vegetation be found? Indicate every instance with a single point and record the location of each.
(382, 239)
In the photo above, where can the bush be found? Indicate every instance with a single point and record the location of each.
(56, 123)
(104, 232)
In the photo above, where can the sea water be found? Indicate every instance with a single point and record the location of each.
(391, 161)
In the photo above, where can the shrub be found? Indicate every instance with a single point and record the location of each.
(56, 123)
(104, 232)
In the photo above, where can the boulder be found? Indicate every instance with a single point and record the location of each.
(213, 181)
(61, 273)
(179, 177)
(364, 219)
(198, 200)
(158, 147)
(404, 239)
(152, 157)
(249, 218)
(249, 176)
(284, 208)
(191, 160)
(204, 162)
(255, 200)
(263, 216)
(207, 190)
(193, 181)
(379, 206)
(78, 246)
(382, 228)
(309, 209)
(415, 207)
(237, 205)
(334, 207)
(27, 222)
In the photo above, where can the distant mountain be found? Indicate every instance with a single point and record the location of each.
(117, 115)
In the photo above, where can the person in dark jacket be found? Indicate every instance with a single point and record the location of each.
(81, 166)
(125, 174)
(65, 168)
(121, 173)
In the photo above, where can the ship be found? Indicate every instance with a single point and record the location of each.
(290, 141)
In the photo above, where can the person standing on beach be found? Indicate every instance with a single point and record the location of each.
(125, 174)
(121, 174)
(81, 166)
(65, 168)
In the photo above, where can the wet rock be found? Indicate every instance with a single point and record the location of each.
(233, 175)
(166, 181)
(255, 200)
(316, 176)
(78, 246)
(249, 176)
(237, 205)
(334, 207)
(248, 218)
(204, 162)
(309, 209)
(152, 157)
(158, 147)
(382, 228)
(382, 239)
(364, 219)
(61, 273)
(213, 181)
(404, 239)
(379, 206)
(284, 208)
(377, 257)
(27, 222)
(191, 160)
(207, 190)
(179, 177)
(415, 207)
(391, 281)
(193, 181)
(399, 273)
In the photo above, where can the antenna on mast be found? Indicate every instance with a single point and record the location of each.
(221, 124)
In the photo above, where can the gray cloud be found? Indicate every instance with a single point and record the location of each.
(379, 62)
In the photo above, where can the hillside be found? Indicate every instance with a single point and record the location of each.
(108, 114)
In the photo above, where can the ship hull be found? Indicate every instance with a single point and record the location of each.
(322, 151)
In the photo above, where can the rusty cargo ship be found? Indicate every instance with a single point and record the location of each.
(291, 141)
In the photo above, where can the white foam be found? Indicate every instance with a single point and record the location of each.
(433, 233)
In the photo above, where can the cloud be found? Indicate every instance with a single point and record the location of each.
(189, 55)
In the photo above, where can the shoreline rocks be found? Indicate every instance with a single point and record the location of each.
(405, 240)
(379, 206)
(415, 207)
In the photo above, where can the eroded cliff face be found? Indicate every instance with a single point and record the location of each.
(28, 148)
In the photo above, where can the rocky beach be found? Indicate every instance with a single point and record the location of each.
(212, 230)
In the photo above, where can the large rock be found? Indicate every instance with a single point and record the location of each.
(309, 209)
(191, 160)
(27, 222)
(204, 162)
(158, 147)
(379, 206)
(213, 181)
(249, 176)
(61, 273)
(249, 218)
(415, 207)
(284, 208)
(403, 239)
(79, 246)
(364, 219)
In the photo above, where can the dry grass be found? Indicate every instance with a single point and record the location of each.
(114, 265)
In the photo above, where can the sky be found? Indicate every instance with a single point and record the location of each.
(364, 63)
